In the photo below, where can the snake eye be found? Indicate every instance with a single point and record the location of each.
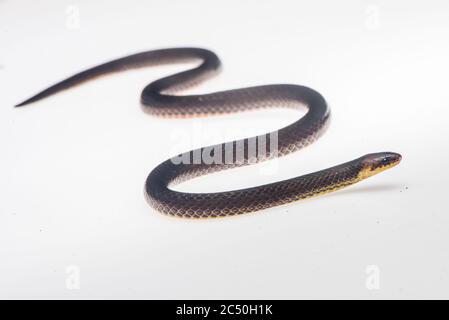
(384, 161)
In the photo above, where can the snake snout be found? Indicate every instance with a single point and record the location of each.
(375, 163)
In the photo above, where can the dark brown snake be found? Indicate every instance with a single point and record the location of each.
(158, 98)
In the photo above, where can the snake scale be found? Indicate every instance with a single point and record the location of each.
(160, 98)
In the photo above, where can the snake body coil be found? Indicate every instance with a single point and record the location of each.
(158, 98)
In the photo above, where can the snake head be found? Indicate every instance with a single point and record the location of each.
(375, 163)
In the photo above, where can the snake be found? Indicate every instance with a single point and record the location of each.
(165, 97)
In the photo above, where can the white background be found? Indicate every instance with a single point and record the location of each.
(72, 166)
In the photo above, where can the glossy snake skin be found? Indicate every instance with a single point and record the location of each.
(159, 98)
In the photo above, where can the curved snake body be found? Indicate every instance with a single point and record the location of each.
(159, 98)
